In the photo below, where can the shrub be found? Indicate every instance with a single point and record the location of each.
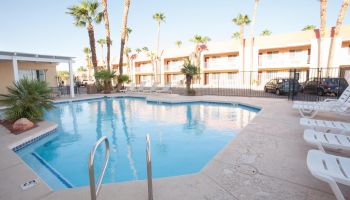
(27, 99)
(104, 77)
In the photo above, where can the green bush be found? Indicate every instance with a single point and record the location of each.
(27, 99)
(104, 77)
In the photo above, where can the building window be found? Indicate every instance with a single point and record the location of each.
(33, 74)
(271, 55)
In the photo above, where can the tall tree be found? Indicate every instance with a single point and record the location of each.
(102, 42)
(108, 33)
(338, 26)
(178, 43)
(123, 37)
(85, 15)
(241, 21)
(87, 53)
(265, 32)
(128, 31)
(323, 17)
(309, 27)
(159, 17)
(201, 45)
(256, 3)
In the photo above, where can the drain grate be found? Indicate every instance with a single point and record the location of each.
(29, 184)
(246, 169)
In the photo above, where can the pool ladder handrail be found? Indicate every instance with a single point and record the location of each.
(149, 167)
(93, 190)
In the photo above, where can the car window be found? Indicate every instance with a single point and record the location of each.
(279, 81)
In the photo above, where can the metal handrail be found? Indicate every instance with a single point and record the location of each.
(149, 167)
(93, 190)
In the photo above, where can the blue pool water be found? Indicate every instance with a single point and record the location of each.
(184, 137)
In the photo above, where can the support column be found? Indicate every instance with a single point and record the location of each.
(71, 78)
(15, 69)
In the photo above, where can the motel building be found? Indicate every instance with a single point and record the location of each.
(15, 66)
(274, 56)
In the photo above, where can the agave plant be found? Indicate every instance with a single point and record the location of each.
(105, 77)
(27, 99)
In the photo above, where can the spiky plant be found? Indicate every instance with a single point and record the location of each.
(27, 99)
(189, 70)
(105, 77)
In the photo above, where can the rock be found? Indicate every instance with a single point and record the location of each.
(22, 124)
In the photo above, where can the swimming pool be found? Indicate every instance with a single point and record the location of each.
(184, 137)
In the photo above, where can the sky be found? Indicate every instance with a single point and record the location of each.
(43, 27)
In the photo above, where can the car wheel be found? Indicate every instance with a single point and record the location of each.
(278, 92)
(320, 92)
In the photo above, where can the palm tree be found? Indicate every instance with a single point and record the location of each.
(108, 32)
(190, 70)
(127, 52)
(128, 31)
(178, 43)
(241, 21)
(123, 37)
(309, 27)
(159, 17)
(102, 42)
(265, 32)
(87, 53)
(85, 14)
(338, 26)
(200, 42)
(256, 3)
(138, 50)
(323, 16)
(236, 35)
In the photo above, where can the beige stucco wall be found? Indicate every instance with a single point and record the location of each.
(7, 78)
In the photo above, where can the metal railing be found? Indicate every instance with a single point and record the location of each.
(93, 189)
(149, 167)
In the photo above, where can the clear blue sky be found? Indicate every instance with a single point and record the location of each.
(42, 26)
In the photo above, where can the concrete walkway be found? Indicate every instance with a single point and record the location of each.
(267, 160)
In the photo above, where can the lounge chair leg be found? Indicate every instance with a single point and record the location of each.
(338, 194)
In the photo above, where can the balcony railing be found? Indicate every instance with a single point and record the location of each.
(221, 65)
(283, 60)
(147, 68)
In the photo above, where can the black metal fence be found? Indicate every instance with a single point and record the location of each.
(64, 91)
(307, 84)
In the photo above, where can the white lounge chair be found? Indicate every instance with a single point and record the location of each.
(142, 87)
(327, 140)
(165, 89)
(341, 100)
(331, 169)
(326, 126)
(153, 88)
(311, 110)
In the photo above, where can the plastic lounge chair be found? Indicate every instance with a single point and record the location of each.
(311, 110)
(132, 88)
(341, 100)
(326, 126)
(142, 87)
(165, 89)
(331, 169)
(153, 88)
(327, 140)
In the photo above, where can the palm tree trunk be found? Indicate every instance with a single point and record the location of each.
(243, 47)
(158, 36)
(108, 33)
(92, 46)
(123, 36)
(338, 26)
(252, 35)
(323, 16)
(103, 58)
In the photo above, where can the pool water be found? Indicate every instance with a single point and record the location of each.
(184, 137)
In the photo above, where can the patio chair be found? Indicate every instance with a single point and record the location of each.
(132, 88)
(153, 88)
(326, 126)
(311, 110)
(142, 87)
(165, 89)
(341, 100)
(329, 168)
(327, 140)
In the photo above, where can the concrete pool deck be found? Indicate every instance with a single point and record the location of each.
(267, 160)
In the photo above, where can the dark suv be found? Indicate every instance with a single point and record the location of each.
(282, 86)
(323, 86)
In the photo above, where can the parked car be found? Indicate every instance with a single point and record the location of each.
(87, 82)
(281, 86)
(324, 86)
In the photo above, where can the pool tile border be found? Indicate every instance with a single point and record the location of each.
(33, 140)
